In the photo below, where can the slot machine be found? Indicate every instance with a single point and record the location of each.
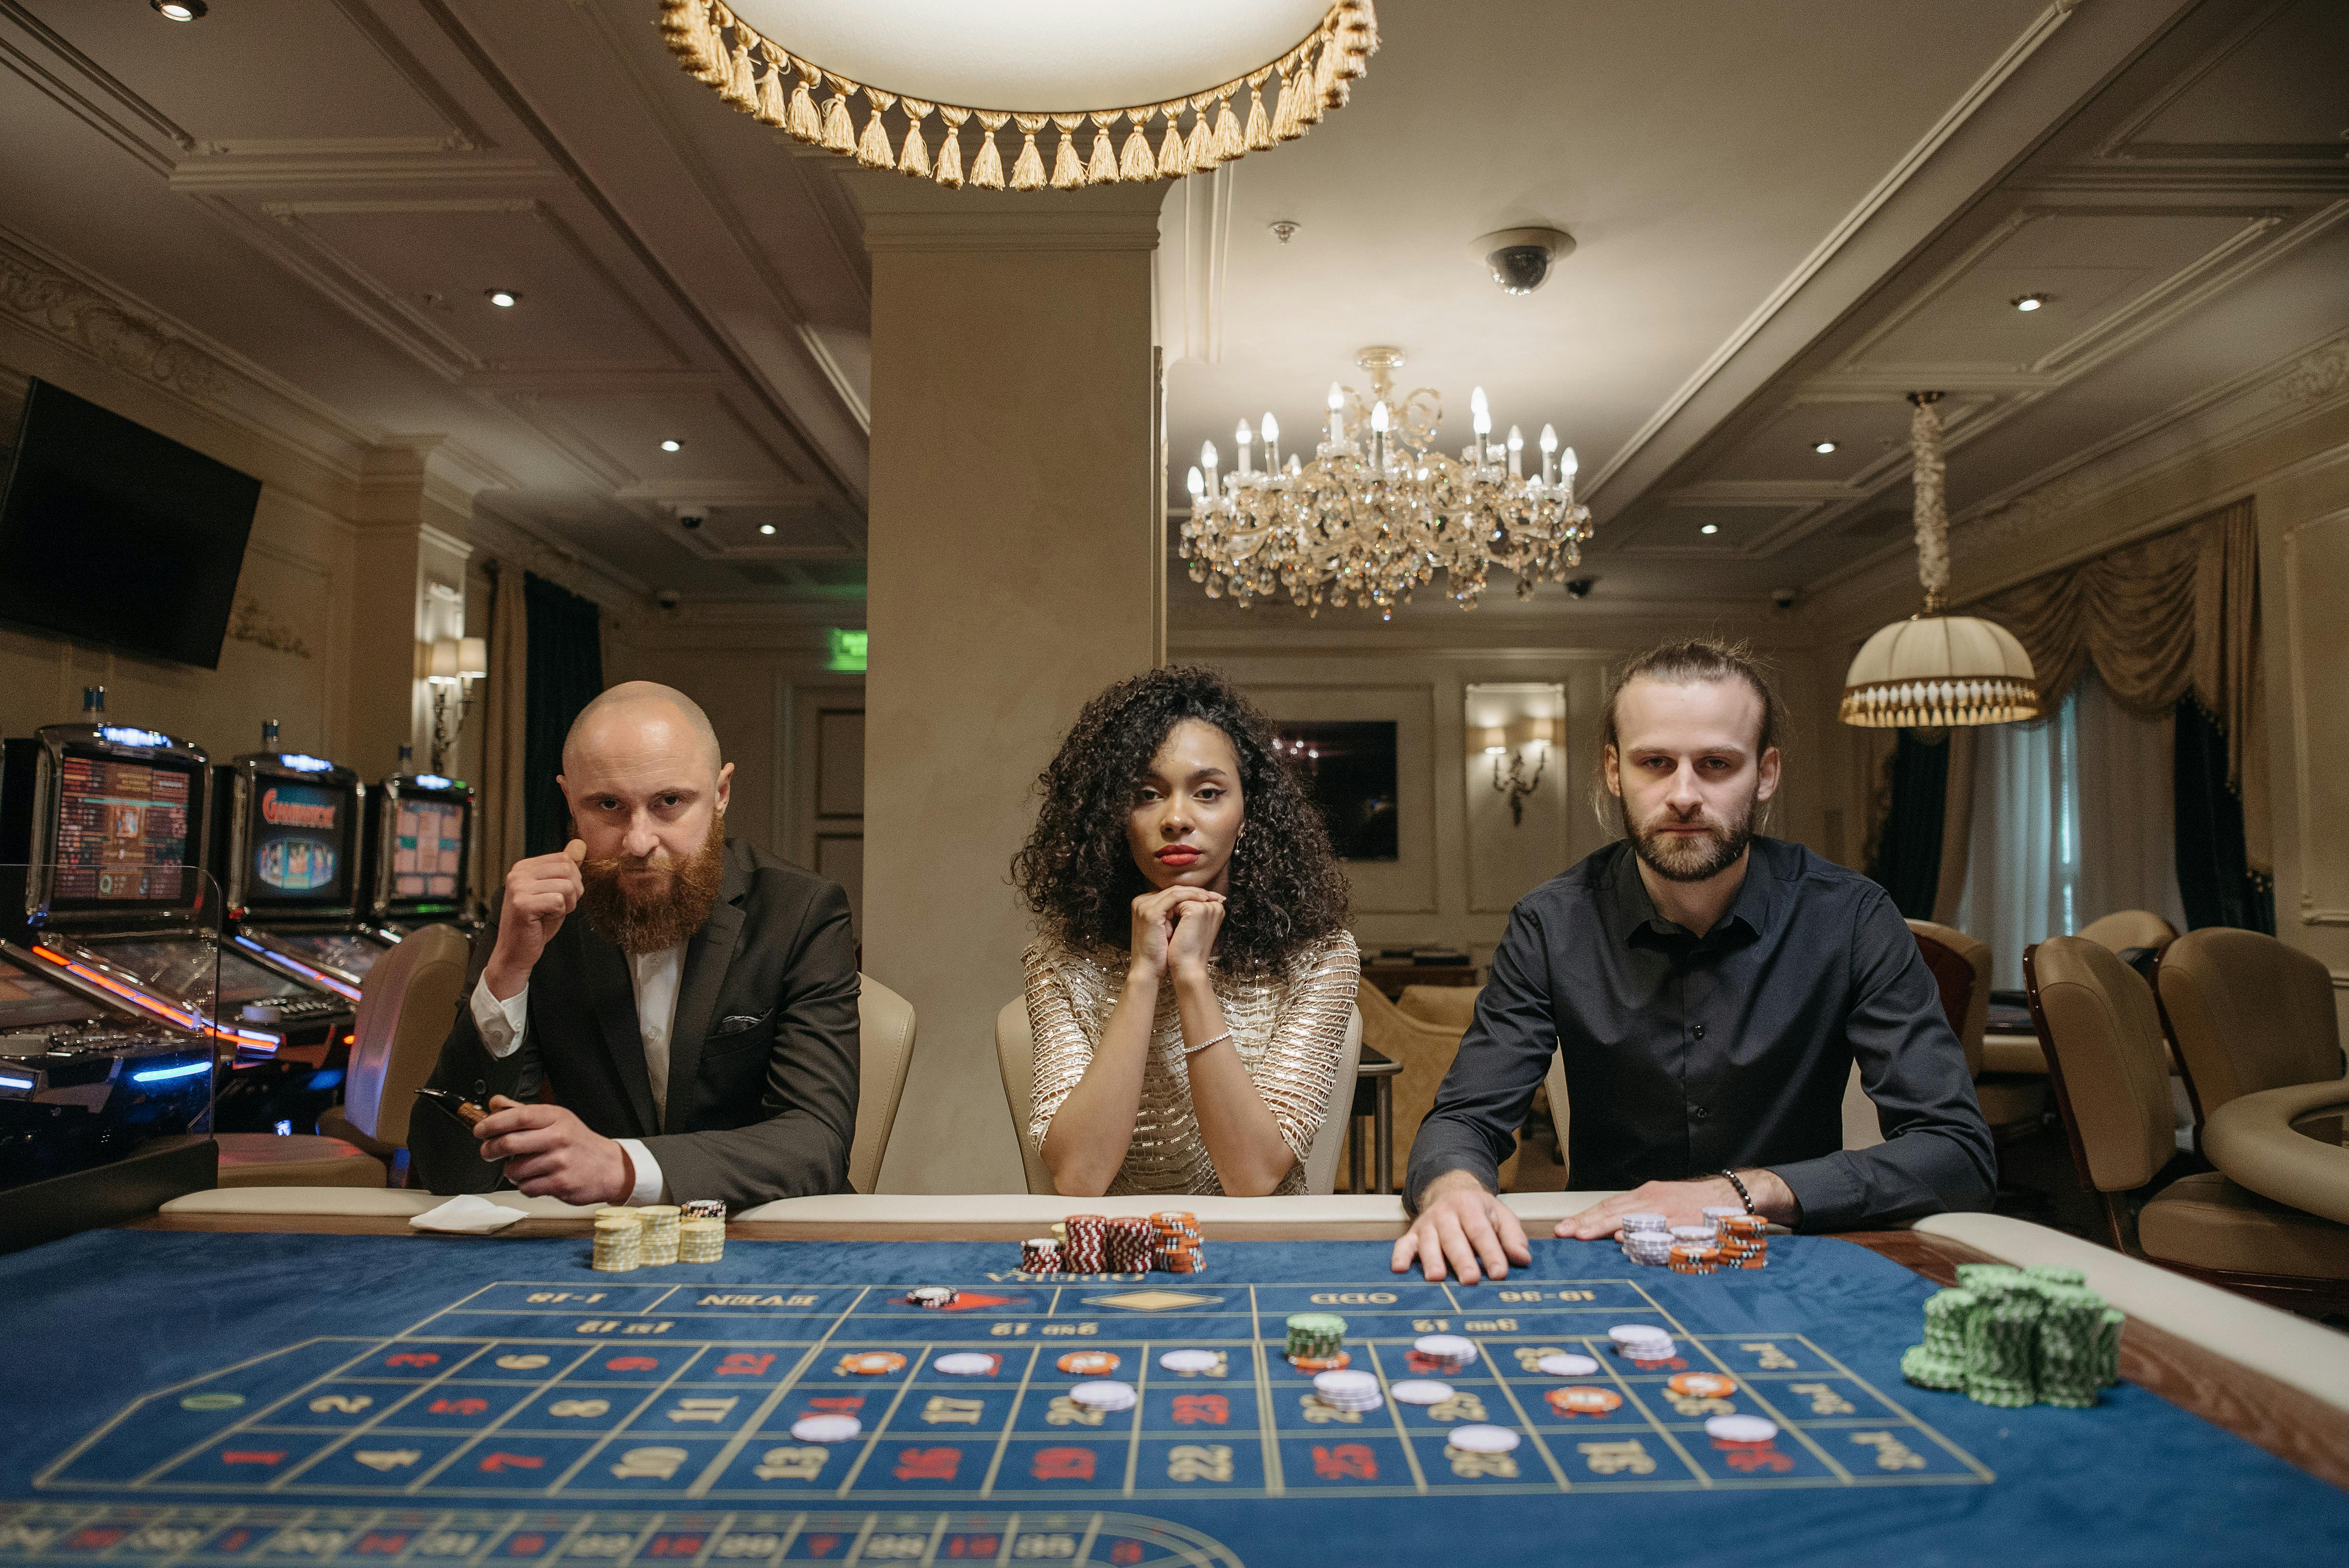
(421, 831)
(113, 822)
(87, 1080)
(288, 857)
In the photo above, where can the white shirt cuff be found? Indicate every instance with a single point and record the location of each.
(649, 1185)
(501, 1022)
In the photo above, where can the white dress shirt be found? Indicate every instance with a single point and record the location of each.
(655, 976)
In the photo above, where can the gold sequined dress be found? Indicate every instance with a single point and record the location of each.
(1289, 1027)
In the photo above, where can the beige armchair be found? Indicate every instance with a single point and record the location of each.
(406, 1008)
(1424, 1045)
(1015, 1058)
(2126, 928)
(2102, 1035)
(2247, 1013)
(884, 1023)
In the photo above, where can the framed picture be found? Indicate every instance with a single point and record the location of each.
(1348, 767)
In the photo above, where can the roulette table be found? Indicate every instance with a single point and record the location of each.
(208, 1396)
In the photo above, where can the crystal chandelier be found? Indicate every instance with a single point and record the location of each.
(1369, 520)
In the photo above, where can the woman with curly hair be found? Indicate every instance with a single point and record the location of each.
(1191, 980)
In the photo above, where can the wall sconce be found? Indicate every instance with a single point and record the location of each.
(1533, 737)
(451, 666)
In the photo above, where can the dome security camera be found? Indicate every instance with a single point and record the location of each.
(1520, 258)
(668, 598)
(1783, 597)
(692, 516)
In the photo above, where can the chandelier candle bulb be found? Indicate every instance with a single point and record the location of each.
(1549, 455)
(1516, 453)
(1379, 422)
(1270, 429)
(1337, 413)
(1243, 438)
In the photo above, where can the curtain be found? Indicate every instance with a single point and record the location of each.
(2166, 618)
(2049, 857)
(2214, 875)
(503, 728)
(564, 671)
(1906, 857)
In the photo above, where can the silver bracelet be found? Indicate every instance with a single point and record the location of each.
(1202, 1045)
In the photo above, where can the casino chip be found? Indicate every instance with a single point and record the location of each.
(1584, 1400)
(1110, 1396)
(1476, 1439)
(1564, 1366)
(1741, 1430)
(966, 1364)
(934, 1296)
(1347, 1390)
(1088, 1362)
(1701, 1385)
(1188, 1361)
(1420, 1392)
(826, 1429)
(1445, 1353)
(872, 1363)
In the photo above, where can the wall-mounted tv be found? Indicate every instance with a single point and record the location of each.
(111, 534)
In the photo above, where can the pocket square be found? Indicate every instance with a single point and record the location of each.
(734, 1021)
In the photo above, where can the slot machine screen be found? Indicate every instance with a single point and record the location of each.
(122, 834)
(185, 970)
(427, 852)
(297, 841)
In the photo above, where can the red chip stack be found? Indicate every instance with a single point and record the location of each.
(1178, 1246)
(1041, 1256)
(1087, 1250)
(1133, 1244)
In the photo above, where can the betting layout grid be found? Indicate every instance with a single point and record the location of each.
(566, 1391)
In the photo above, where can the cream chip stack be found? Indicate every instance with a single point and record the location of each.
(619, 1243)
(660, 1220)
(700, 1240)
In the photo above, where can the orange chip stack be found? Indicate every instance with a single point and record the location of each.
(1744, 1241)
(1179, 1249)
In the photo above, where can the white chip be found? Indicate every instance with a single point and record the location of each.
(1188, 1361)
(826, 1429)
(1420, 1392)
(1106, 1395)
(965, 1364)
(1346, 1385)
(1566, 1366)
(931, 1296)
(1741, 1428)
(1633, 1332)
(1481, 1440)
(1445, 1348)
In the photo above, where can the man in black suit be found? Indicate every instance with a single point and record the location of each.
(693, 1033)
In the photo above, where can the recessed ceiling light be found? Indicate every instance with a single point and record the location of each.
(672, 445)
(1824, 448)
(504, 299)
(766, 528)
(1710, 528)
(2028, 302)
(180, 10)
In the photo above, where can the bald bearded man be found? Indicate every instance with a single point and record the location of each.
(659, 1014)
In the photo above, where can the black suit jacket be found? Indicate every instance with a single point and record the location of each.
(762, 1070)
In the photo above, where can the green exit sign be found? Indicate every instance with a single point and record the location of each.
(847, 648)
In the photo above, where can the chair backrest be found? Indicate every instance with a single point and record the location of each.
(1960, 966)
(2247, 1013)
(1450, 1007)
(885, 1029)
(1561, 1111)
(1322, 1159)
(1425, 1049)
(2130, 928)
(2102, 1035)
(407, 1007)
(1015, 1055)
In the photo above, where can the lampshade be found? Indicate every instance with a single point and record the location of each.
(1244, 73)
(442, 664)
(1497, 739)
(472, 657)
(1932, 669)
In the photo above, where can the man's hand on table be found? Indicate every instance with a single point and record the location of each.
(1683, 1203)
(1462, 1225)
(550, 1153)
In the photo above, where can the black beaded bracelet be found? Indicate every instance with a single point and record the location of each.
(1742, 1195)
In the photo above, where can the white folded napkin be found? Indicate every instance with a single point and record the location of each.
(469, 1216)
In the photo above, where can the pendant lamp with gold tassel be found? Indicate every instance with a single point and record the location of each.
(1934, 669)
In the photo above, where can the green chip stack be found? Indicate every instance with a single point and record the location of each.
(2011, 1337)
(1318, 1336)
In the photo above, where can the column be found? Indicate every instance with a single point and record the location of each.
(1016, 567)
(410, 556)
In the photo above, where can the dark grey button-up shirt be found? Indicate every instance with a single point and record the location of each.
(1687, 1055)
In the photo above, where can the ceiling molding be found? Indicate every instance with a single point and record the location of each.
(1954, 120)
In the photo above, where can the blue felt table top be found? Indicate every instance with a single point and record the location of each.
(205, 1398)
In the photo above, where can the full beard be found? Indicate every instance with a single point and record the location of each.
(1681, 857)
(649, 917)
